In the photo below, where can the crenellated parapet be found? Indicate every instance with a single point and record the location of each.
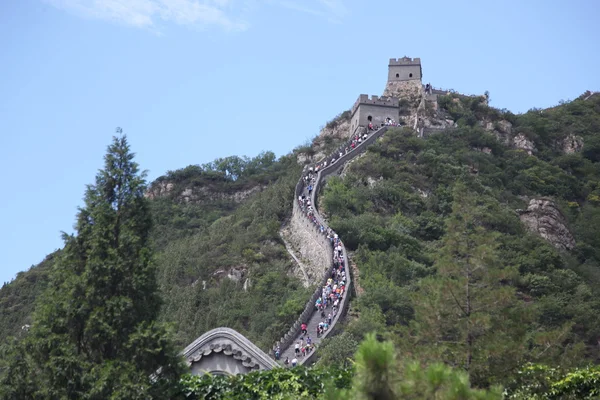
(405, 61)
(383, 101)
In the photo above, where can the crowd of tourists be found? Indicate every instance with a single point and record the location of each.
(328, 303)
(346, 148)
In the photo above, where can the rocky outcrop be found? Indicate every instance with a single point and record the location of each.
(236, 273)
(544, 218)
(411, 91)
(572, 144)
(521, 142)
(199, 194)
(432, 123)
(159, 189)
(338, 130)
(485, 150)
(504, 126)
(502, 129)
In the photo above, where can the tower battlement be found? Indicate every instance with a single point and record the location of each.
(404, 69)
(405, 61)
(375, 101)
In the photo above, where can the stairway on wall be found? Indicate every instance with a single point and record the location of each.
(310, 315)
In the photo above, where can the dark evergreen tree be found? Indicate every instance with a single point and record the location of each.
(95, 334)
(468, 315)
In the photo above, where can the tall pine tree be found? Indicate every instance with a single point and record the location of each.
(95, 334)
(467, 314)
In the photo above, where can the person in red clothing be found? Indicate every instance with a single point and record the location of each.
(303, 328)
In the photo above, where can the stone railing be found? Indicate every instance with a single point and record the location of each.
(318, 235)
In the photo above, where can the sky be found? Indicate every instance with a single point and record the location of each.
(192, 80)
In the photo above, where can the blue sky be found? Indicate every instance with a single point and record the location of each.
(192, 80)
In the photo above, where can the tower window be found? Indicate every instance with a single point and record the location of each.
(397, 75)
(410, 75)
(370, 118)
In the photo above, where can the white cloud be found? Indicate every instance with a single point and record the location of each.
(150, 13)
(335, 7)
(332, 10)
(196, 13)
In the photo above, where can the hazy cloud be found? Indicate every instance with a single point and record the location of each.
(150, 13)
(224, 14)
(332, 10)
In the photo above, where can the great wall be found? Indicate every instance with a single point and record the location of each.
(403, 85)
(313, 234)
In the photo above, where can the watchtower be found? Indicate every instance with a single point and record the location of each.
(404, 69)
(375, 109)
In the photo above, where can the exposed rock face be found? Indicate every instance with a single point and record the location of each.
(408, 90)
(236, 273)
(485, 150)
(159, 189)
(199, 194)
(572, 144)
(430, 123)
(340, 131)
(303, 158)
(521, 142)
(505, 126)
(371, 182)
(544, 218)
(501, 129)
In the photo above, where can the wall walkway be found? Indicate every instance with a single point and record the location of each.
(323, 251)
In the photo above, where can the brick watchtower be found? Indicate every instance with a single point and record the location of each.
(404, 69)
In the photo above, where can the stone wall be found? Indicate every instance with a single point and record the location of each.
(314, 248)
(404, 72)
(310, 230)
(404, 69)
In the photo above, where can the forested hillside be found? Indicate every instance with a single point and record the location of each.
(448, 269)
(219, 255)
(449, 265)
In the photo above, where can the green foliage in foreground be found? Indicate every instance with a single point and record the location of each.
(537, 382)
(377, 375)
(299, 382)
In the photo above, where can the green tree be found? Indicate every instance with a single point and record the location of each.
(379, 375)
(468, 315)
(539, 381)
(94, 333)
(338, 350)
